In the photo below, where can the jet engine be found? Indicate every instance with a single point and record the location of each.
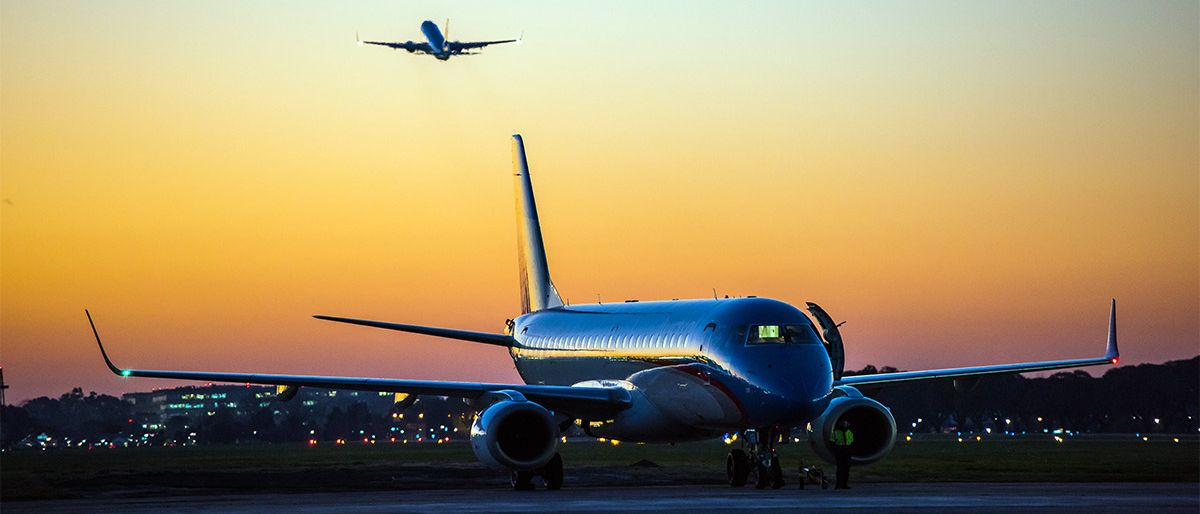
(872, 424)
(514, 435)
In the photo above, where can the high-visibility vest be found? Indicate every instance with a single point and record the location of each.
(842, 437)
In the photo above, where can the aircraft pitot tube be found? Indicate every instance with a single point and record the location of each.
(514, 434)
(873, 426)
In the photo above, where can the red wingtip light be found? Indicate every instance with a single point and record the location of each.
(1116, 360)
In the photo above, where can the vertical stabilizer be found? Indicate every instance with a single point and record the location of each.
(537, 292)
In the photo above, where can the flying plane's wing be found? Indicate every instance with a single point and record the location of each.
(411, 46)
(1111, 356)
(578, 402)
(468, 45)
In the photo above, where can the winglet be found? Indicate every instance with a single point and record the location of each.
(357, 39)
(1110, 352)
(103, 353)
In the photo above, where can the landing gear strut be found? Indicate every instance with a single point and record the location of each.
(551, 473)
(756, 462)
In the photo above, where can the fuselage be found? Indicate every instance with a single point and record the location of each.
(435, 40)
(700, 363)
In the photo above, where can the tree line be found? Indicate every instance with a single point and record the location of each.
(1146, 398)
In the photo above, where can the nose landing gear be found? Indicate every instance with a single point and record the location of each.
(759, 465)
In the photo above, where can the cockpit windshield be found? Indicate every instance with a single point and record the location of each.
(780, 334)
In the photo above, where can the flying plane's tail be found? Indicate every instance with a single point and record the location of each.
(537, 292)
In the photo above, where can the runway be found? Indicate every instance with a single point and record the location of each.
(1105, 497)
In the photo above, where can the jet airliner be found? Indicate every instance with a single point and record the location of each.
(436, 43)
(654, 371)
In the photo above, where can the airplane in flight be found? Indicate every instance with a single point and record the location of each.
(436, 43)
(654, 371)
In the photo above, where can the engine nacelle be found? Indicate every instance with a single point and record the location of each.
(514, 435)
(873, 426)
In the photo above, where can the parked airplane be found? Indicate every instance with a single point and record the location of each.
(436, 43)
(659, 371)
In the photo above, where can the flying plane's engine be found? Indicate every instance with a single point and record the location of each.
(514, 435)
(872, 424)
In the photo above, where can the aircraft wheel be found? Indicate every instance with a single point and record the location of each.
(737, 467)
(776, 474)
(762, 476)
(552, 474)
(522, 480)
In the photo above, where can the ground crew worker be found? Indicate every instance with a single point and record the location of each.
(842, 437)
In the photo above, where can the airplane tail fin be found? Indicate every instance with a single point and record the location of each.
(537, 291)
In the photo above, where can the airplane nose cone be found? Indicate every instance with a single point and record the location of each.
(804, 377)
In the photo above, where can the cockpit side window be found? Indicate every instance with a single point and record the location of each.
(779, 334)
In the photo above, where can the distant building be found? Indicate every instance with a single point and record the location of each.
(430, 418)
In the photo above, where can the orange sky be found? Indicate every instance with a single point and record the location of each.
(963, 184)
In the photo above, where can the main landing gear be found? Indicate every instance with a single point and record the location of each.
(551, 473)
(756, 462)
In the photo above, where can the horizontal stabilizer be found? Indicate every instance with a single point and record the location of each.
(463, 335)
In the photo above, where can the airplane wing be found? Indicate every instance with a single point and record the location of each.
(1111, 356)
(456, 46)
(411, 46)
(578, 402)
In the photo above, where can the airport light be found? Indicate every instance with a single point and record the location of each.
(1175, 439)
(906, 438)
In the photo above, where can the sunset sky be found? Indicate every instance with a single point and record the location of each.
(963, 182)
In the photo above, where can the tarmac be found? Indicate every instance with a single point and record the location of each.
(889, 497)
